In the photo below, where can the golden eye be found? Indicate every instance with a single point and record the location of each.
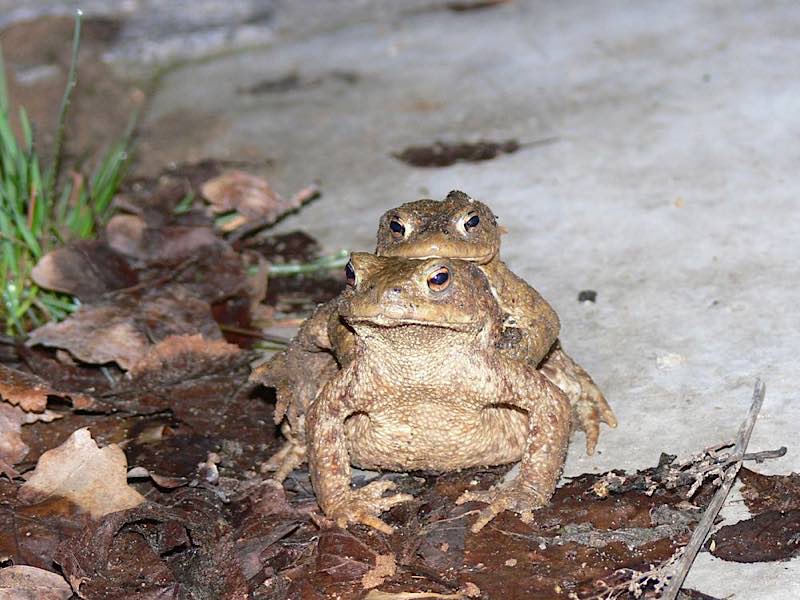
(439, 280)
(398, 230)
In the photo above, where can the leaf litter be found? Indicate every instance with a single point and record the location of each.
(149, 441)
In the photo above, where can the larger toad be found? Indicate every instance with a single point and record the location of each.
(426, 389)
(457, 227)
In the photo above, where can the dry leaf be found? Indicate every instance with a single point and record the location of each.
(130, 235)
(28, 391)
(123, 327)
(21, 582)
(12, 448)
(251, 197)
(385, 566)
(94, 479)
(86, 269)
(184, 353)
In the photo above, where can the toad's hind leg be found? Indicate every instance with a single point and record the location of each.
(290, 456)
(589, 406)
(545, 445)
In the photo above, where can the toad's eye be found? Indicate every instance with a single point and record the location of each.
(350, 274)
(439, 279)
(397, 228)
(471, 223)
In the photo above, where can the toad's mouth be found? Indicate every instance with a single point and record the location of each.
(391, 322)
(476, 259)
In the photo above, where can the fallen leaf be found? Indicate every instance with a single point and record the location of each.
(181, 357)
(762, 493)
(251, 197)
(385, 566)
(123, 327)
(379, 595)
(12, 448)
(770, 536)
(30, 391)
(22, 582)
(86, 269)
(93, 478)
(130, 235)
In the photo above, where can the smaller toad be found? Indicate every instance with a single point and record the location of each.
(426, 389)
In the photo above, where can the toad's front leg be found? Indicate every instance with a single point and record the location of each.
(546, 444)
(329, 462)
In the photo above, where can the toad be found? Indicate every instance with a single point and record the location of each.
(458, 227)
(426, 389)
(464, 228)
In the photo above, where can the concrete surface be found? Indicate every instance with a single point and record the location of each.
(669, 187)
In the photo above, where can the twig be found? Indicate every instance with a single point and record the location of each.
(704, 526)
(307, 194)
(760, 457)
(267, 337)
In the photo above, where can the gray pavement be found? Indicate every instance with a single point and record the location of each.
(667, 184)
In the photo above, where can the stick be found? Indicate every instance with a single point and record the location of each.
(704, 526)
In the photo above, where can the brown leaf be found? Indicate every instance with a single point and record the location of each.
(92, 478)
(30, 392)
(189, 355)
(343, 557)
(770, 492)
(250, 196)
(771, 535)
(385, 566)
(21, 582)
(12, 448)
(129, 235)
(122, 327)
(86, 269)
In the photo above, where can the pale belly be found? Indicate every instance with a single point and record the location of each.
(436, 437)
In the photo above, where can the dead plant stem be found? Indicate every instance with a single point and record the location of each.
(707, 521)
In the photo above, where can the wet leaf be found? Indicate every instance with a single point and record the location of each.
(92, 478)
(442, 154)
(770, 492)
(771, 535)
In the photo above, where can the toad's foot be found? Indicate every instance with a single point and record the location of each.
(589, 406)
(291, 455)
(365, 504)
(590, 410)
(515, 496)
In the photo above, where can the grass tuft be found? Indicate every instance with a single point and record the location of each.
(36, 217)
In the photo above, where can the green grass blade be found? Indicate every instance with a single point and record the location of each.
(66, 99)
